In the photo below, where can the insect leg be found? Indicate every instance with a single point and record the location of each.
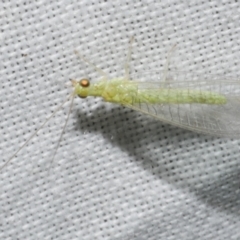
(128, 59)
(166, 67)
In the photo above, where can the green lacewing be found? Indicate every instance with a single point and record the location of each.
(208, 105)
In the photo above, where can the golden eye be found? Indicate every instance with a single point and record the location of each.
(84, 83)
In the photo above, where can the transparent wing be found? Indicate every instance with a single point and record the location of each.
(213, 119)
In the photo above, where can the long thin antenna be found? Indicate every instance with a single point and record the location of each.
(63, 130)
(35, 133)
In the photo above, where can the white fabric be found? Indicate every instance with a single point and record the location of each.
(118, 174)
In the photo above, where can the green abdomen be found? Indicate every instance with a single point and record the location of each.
(120, 91)
(179, 96)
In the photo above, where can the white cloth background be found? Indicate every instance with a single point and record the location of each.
(118, 174)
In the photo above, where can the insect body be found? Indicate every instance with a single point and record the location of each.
(124, 92)
(201, 106)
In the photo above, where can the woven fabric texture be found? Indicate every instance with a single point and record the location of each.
(118, 174)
